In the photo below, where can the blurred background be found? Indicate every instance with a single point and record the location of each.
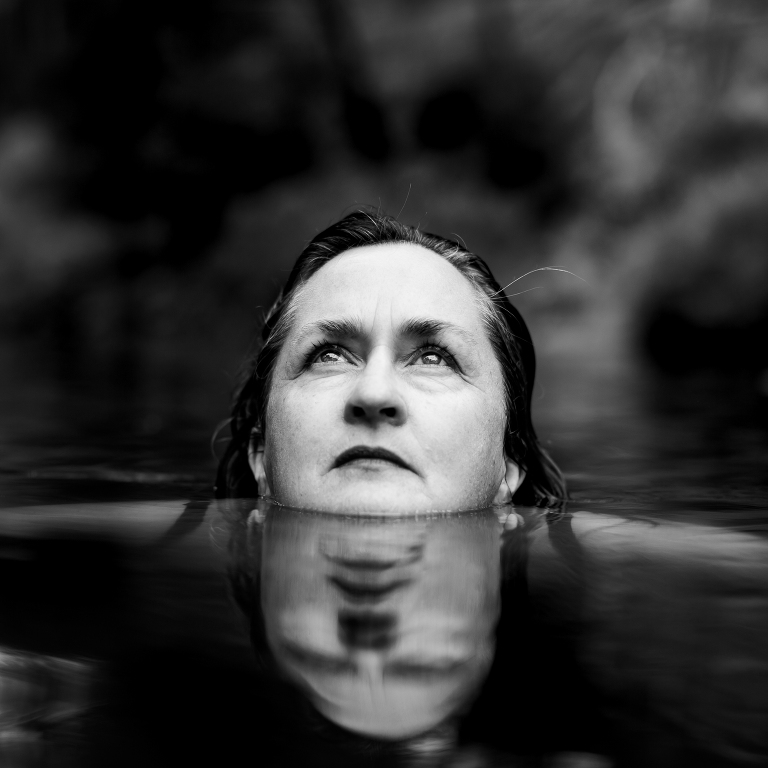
(163, 163)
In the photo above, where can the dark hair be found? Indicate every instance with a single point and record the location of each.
(543, 485)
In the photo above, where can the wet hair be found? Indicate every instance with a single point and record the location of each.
(543, 485)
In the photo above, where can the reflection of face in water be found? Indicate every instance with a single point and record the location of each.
(388, 625)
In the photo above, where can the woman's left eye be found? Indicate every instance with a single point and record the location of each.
(433, 357)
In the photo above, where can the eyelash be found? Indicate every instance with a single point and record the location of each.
(319, 347)
(430, 346)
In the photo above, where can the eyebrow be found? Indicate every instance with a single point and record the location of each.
(346, 328)
(416, 327)
(423, 327)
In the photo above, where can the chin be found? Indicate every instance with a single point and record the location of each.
(385, 499)
(379, 504)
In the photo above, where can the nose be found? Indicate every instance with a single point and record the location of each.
(376, 398)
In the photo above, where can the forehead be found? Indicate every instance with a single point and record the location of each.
(402, 278)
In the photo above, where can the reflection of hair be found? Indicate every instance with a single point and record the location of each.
(506, 329)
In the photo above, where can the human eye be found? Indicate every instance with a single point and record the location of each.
(324, 353)
(433, 355)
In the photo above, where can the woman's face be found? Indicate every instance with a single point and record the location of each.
(386, 396)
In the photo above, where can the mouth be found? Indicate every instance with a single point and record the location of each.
(363, 454)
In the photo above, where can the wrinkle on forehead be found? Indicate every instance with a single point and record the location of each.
(337, 286)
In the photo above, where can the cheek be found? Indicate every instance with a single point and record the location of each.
(283, 424)
(294, 431)
(467, 437)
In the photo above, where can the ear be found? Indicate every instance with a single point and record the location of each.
(512, 480)
(256, 463)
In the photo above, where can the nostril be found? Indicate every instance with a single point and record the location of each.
(361, 413)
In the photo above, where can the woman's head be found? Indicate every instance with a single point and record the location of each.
(392, 375)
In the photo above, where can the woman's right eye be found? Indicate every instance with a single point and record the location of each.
(327, 355)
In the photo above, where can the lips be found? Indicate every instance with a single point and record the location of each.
(363, 452)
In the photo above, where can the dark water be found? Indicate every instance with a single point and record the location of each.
(632, 630)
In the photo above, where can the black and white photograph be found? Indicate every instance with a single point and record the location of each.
(384, 383)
